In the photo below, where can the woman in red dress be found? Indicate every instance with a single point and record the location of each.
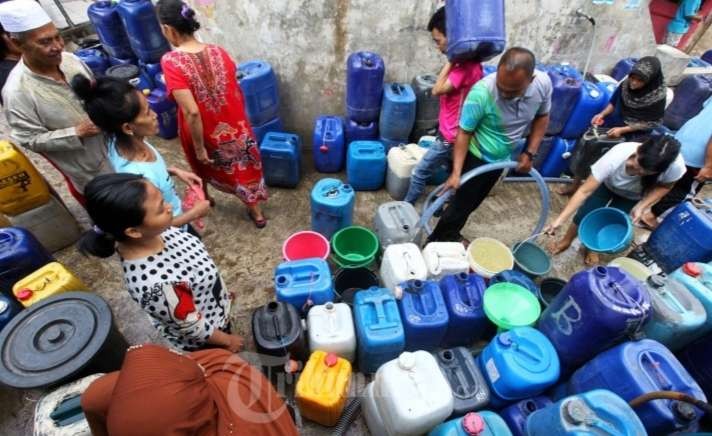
(216, 136)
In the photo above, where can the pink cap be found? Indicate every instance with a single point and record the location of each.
(24, 294)
(331, 360)
(473, 424)
(691, 269)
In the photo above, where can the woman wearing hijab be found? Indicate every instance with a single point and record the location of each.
(163, 392)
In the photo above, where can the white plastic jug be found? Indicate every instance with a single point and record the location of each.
(67, 397)
(331, 329)
(445, 258)
(401, 161)
(374, 421)
(402, 262)
(673, 62)
(412, 394)
(52, 224)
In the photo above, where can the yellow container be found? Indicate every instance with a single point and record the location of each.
(21, 186)
(51, 279)
(322, 388)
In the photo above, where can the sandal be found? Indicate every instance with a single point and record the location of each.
(259, 223)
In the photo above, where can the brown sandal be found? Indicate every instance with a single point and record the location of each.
(259, 223)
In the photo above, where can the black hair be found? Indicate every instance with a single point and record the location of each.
(518, 58)
(109, 102)
(655, 155)
(114, 202)
(177, 14)
(4, 49)
(437, 21)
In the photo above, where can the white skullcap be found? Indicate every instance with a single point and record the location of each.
(22, 15)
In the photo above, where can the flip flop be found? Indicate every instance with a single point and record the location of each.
(259, 223)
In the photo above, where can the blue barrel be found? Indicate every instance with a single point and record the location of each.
(469, 388)
(281, 159)
(557, 159)
(328, 148)
(166, 111)
(364, 86)
(355, 131)
(261, 130)
(565, 97)
(259, 87)
(95, 59)
(690, 95)
(366, 165)
(379, 330)
(132, 74)
(304, 283)
(516, 277)
(482, 423)
(104, 16)
(9, 307)
(685, 235)
(598, 307)
(517, 364)
(397, 112)
(595, 412)
(463, 295)
(141, 24)
(20, 254)
(424, 315)
(475, 29)
(332, 206)
(696, 359)
(516, 415)
(697, 278)
(622, 68)
(591, 102)
(632, 369)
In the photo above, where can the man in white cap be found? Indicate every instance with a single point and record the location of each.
(43, 112)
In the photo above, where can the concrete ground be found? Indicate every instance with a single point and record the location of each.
(247, 256)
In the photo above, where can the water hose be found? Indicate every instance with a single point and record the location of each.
(433, 203)
(351, 412)
(518, 179)
(671, 395)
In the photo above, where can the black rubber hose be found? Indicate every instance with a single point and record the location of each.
(351, 412)
(671, 395)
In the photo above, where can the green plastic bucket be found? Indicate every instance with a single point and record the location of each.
(531, 259)
(509, 305)
(354, 247)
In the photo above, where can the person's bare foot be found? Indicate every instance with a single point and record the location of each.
(591, 258)
(556, 247)
(568, 190)
(649, 220)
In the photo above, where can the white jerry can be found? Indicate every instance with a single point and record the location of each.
(331, 329)
(402, 262)
(445, 258)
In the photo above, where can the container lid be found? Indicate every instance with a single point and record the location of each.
(576, 411)
(692, 269)
(53, 339)
(509, 305)
(331, 360)
(24, 294)
(656, 281)
(406, 361)
(124, 71)
(473, 424)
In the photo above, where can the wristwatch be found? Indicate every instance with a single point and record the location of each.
(530, 154)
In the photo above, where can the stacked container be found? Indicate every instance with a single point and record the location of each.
(107, 23)
(469, 388)
(49, 280)
(355, 131)
(427, 108)
(591, 102)
(402, 262)
(556, 160)
(332, 206)
(424, 315)
(278, 334)
(331, 329)
(397, 114)
(379, 328)
(303, 283)
(395, 223)
(463, 294)
(401, 161)
(445, 258)
(281, 155)
(143, 30)
(366, 165)
(690, 95)
(567, 93)
(261, 92)
(95, 58)
(20, 255)
(274, 125)
(364, 84)
(166, 110)
(322, 388)
(328, 147)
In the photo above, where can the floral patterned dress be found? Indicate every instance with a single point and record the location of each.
(228, 137)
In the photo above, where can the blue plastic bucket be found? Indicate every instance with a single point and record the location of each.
(606, 230)
(531, 259)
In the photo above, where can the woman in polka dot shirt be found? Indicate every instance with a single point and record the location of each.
(168, 272)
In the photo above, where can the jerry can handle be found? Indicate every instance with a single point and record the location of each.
(655, 372)
(397, 88)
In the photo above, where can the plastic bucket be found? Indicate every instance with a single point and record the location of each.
(349, 280)
(606, 230)
(509, 305)
(353, 247)
(488, 257)
(306, 245)
(632, 267)
(549, 288)
(531, 259)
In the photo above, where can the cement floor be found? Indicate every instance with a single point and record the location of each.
(246, 258)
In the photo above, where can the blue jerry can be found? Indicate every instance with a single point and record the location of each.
(424, 315)
(366, 165)
(379, 329)
(144, 31)
(281, 159)
(328, 147)
(482, 423)
(397, 112)
(259, 87)
(332, 206)
(475, 29)
(364, 86)
(463, 294)
(303, 283)
(20, 255)
(697, 278)
(355, 131)
(516, 415)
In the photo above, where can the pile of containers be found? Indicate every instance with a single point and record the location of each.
(261, 93)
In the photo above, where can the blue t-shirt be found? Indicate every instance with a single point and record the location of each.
(156, 172)
(680, 23)
(694, 136)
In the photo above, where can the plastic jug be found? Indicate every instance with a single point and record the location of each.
(413, 394)
(104, 16)
(685, 235)
(516, 277)
(696, 359)
(397, 112)
(303, 283)
(516, 415)
(332, 206)
(355, 131)
(328, 150)
(469, 388)
(595, 412)
(132, 74)
(260, 90)
(151, 69)
(273, 125)
(59, 413)
(445, 258)
(598, 307)
(566, 95)
(402, 262)
(622, 68)
(95, 59)
(424, 315)
(364, 86)
(371, 412)
(9, 307)
(517, 364)
(690, 95)
(322, 387)
(591, 102)
(463, 294)
(677, 314)
(21, 186)
(697, 278)
(632, 369)
(427, 107)
(166, 111)
(281, 155)
(475, 29)
(366, 165)
(45, 220)
(20, 254)
(401, 161)
(331, 329)
(277, 332)
(556, 160)
(395, 223)
(144, 32)
(482, 423)
(379, 329)
(49, 280)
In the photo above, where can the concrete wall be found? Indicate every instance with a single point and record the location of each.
(308, 41)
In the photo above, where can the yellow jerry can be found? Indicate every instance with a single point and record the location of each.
(21, 186)
(323, 387)
(51, 279)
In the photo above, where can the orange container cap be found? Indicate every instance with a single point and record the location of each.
(691, 269)
(24, 294)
